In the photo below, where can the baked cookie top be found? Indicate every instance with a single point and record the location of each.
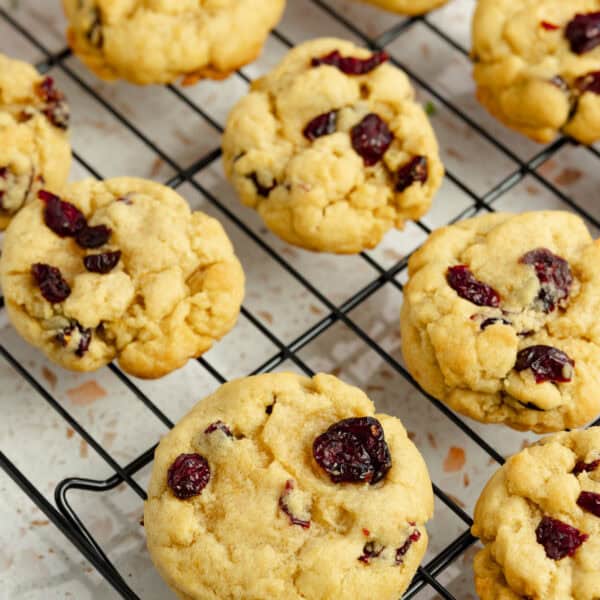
(331, 148)
(537, 65)
(500, 319)
(539, 520)
(408, 7)
(251, 496)
(34, 145)
(159, 41)
(119, 269)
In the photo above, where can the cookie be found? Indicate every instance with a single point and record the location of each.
(159, 41)
(331, 148)
(34, 143)
(119, 269)
(253, 495)
(537, 66)
(408, 7)
(539, 520)
(499, 319)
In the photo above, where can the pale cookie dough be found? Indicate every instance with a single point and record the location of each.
(289, 148)
(539, 520)
(408, 7)
(159, 41)
(145, 280)
(520, 344)
(537, 67)
(248, 513)
(34, 143)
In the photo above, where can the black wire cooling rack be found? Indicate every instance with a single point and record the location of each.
(62, 513)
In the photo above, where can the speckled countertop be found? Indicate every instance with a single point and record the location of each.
(36, 561)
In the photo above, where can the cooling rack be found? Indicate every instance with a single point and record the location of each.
(340, 313)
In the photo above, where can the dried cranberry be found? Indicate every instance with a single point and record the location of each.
(324, 124)
(261, 189)
(51, 283)
(62, 217)
(582, 466)
(554, 275)
(589, 83)
(353, 450)
(415, 170)
(546, 362)
(549, 26)
(93, 237)
(493, 321)
(583, 32)
(370, 550)
(558, 538)
(371, 138)
(102, 263)
(284, 506)
(3, 172)
(218, 426)
(590, 502)
(414, 537)
(56, 109)
(85, 338)
(463, 282)
(350, 65)
(188, 475)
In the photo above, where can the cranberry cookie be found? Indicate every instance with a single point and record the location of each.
(539, 520)
(537, 65)
(159, 41)
(283, 487)
(408, 7)
(34, 145)
(119, 269)
(331, 148)
(500, 319)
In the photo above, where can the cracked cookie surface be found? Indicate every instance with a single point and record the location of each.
(408, 7)
(119, 269)
(537, 67)
(499, 319)
(331, 148)
(34, 144)
(540, 532)
(159, 41)
(270, 523)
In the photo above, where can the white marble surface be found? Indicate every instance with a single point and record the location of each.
(36, 561)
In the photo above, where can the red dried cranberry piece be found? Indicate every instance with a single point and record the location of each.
(558, 538)
(583, 32)
(350, 65)
(93, 237)
(554, 275)
(51, 283)
(546, 362)
(188, 475)
(353, 450)
(463, 282)
(549, 26)
(102, 263)
(56, 109)
(415, 170)
(590, 502)
(582, 466)
(589, 83)
(62, 217)
(414, 537)
(371, 138)
(370, 550)
(492, 321)
(261, 190)
(220, 426)
(284, 506)
(324, 124)
(85, 338)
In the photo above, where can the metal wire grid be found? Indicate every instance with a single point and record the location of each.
(62, 514)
